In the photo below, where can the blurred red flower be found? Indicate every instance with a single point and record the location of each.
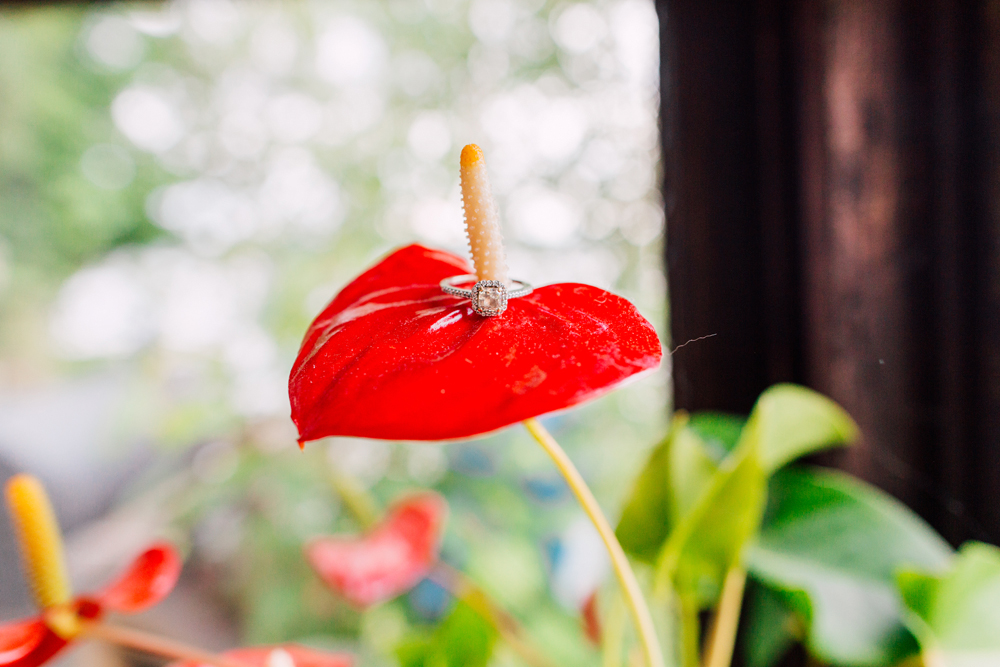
(389, 559)
(283, 655)
(149, 579)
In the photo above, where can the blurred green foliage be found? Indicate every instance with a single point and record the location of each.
(835, 564)
(55, 106)
(830, 547)
(463, 639)
(954, 612)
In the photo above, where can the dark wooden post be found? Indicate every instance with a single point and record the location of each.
(833, 191)
(710, 138)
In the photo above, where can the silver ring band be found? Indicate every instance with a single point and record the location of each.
(489, 297)
(448, 287)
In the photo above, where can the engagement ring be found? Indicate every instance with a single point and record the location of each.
(489, 297)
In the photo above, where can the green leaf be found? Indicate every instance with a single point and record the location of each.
(645, 521)
(790, 421)
(709, 539)
(690, 470)
(956, 615)
(851, 620)
(701, 497)
(719, 430)
(769, 626)
(464, 639)
(830, 546)
(674, 478)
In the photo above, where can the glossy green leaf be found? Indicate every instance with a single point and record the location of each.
(956, 615)
(830, 546)
(674, 478)
(464, 639)
(790, 421)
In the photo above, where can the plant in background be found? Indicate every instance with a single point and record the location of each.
(148, 580)
(389, 559)
(697, 505)
(64, 618)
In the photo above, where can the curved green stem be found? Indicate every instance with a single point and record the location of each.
(626, 578)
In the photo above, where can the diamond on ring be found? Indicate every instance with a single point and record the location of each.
(489, 297)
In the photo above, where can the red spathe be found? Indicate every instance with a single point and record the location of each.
(393, 357)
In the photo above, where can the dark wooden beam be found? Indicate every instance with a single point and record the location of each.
(833, 191)
(711, 194)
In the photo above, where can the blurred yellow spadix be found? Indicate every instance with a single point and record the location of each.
(40, 540)
(482, 221)
(64, 621)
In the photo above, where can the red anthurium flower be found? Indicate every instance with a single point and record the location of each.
(394, 357)
(30, 642)
(388, 560)
(285, 655)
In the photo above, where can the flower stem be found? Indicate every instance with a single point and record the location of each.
(611, 651)
(626, 578)
(150, 643)
(722, 636)
(356, 498)
(690, 629)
